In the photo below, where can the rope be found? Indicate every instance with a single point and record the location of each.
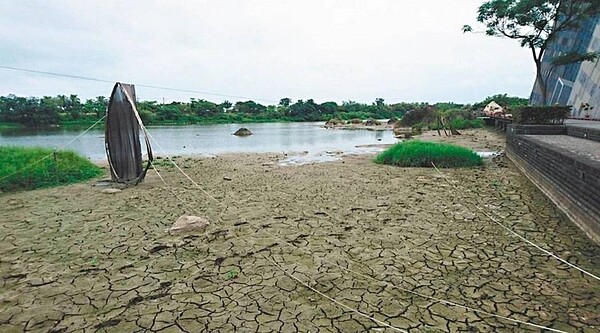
(173, 192)
(26, 167)
(138, 85)
(45, 157)
(270, 260)
(89, 128)
(289, 274)
(332, 299)
(440, 300)
(443, 301)
(521, 237)
(183, 172)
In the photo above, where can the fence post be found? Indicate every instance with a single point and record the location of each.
(55, 165)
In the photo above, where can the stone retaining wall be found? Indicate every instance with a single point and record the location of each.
(584, 133)
(569, 180)
(537, 129)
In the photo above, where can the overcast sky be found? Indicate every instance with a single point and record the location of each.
(260, 49)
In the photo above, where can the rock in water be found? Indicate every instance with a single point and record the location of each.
(188, 223)
(242, 132)
(372, 122)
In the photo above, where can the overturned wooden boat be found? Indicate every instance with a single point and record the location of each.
(122, 137)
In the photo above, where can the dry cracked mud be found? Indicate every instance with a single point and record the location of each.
(387, 242)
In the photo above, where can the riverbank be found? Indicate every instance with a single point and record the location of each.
(75, 257)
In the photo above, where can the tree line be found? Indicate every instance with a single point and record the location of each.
(62, 110)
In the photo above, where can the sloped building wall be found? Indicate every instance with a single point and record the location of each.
(576, 83)
(586, 88)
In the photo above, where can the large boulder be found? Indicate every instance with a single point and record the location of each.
(243, 132)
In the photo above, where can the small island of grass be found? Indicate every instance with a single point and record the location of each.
(29, 168)
(423, 154)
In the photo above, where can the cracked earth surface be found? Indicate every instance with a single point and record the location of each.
(73, 259)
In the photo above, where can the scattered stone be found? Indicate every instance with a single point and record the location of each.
(227, 178)
(188, 223)
(110, 190)
(372, 122)
(108, 323)
(334, 122)
(242, 132)
(158, 248)
(219, 261)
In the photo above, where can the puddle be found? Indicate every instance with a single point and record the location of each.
(329, 156)
(310, 159)
(488, 154)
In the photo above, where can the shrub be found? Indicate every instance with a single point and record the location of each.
(334, 122)
(425, 114)
(418, 128)
(29, 168)
(461, 123)
(422, 154)
(541, 115)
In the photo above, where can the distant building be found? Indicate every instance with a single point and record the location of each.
(493, 109)
(576, 84)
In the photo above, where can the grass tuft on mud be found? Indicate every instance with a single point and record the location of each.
(30, 168)
(422, 154)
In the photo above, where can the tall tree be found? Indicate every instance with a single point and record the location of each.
(536, 24)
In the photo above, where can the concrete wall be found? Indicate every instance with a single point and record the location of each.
(584, 133)
(586, 88)
(570, 181)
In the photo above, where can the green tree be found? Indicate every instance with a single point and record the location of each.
(203, 108)
(503, 100)
(169, 112)
(100, 106)
(328, 108)
(285, 102)
(225, 106)
(305, 111)
(249, 107)
(536, 24)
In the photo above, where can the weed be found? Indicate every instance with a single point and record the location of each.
(231, 274)
(423, 154)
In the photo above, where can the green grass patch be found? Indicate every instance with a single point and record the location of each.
(423, 153)
(29, 168)
(461, 124)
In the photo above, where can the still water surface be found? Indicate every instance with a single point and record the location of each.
(212, 139)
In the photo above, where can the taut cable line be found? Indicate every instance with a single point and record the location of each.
(150, 86)
(519, 236)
